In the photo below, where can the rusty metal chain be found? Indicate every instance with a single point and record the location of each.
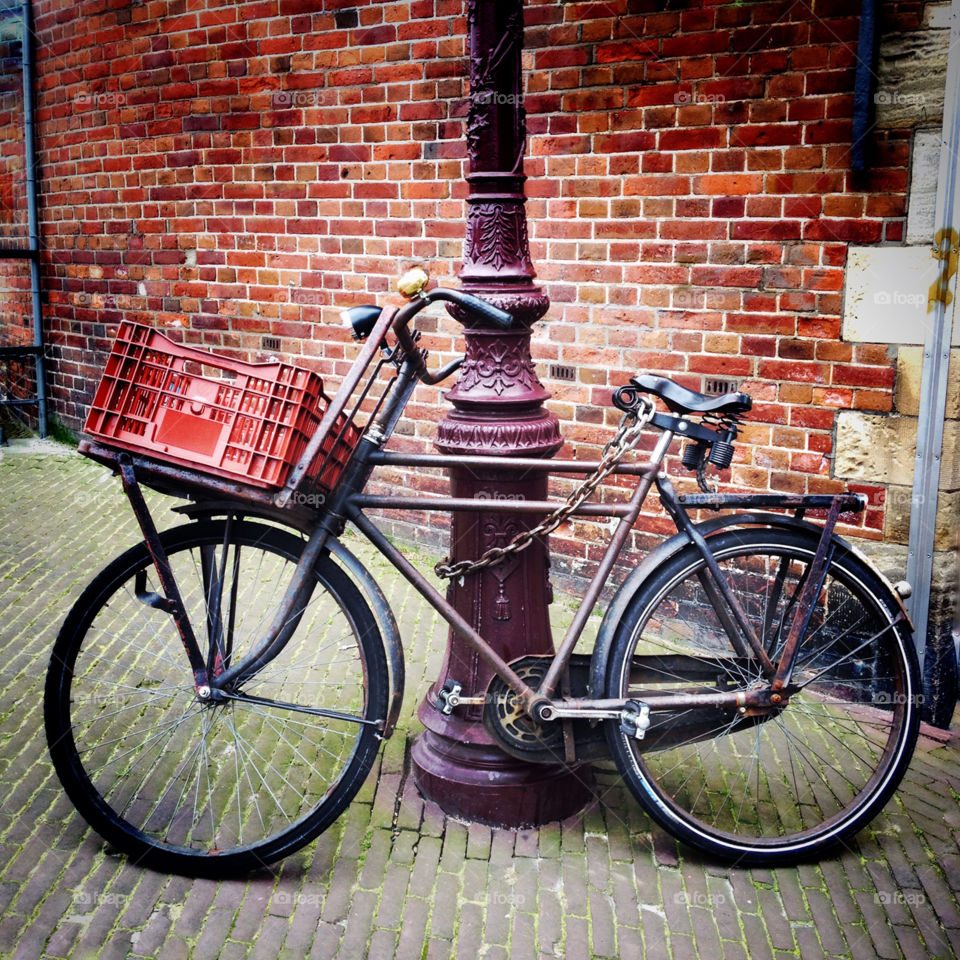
(625, 440)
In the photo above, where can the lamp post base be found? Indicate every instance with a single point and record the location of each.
(457, 765)
(497, 412)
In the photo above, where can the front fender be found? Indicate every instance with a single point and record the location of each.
(389, 631)
(637, 578)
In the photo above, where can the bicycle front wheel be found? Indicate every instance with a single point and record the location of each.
(214, 788)
(783, 785)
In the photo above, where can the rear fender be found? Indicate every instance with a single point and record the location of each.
(637, 578)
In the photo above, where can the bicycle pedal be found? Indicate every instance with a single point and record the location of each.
(448, 697)
(451, 695)
(634, 719)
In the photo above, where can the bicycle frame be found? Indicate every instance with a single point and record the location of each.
(717, 629)
(626, 512)
(348, 503)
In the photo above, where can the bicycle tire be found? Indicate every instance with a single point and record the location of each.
(204, 789)
(792, 784)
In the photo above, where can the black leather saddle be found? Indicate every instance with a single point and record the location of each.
(681, 400)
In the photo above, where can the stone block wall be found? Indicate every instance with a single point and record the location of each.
(888, 306)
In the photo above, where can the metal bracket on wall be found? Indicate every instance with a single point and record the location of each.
(942, 309)
(19, 20)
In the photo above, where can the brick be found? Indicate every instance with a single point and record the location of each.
(863, 375)
(828, 131)
(851, 231)
(728, 184)
(696, 44)
(795, 371)
(767, 135)
(699, 138)
(760, 230)
(721, 366)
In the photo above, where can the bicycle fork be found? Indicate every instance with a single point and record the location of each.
(172, 603)
(214, 675)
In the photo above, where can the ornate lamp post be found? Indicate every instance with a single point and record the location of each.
(498, 410)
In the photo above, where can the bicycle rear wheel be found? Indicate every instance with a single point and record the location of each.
(785, 785)
(203, 788)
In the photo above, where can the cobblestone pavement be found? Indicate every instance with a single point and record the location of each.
(399, 879)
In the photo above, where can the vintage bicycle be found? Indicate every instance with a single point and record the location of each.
(217, 695)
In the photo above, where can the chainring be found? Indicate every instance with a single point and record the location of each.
(519, 735)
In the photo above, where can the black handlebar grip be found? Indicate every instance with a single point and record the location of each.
(486, 310)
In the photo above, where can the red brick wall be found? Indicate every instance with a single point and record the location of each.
(247, 169)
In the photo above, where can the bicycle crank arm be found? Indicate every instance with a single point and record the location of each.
(634, 716)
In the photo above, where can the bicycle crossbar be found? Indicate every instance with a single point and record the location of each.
(534, 464)
(462, 504)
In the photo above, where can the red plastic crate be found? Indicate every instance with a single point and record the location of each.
(244, 421)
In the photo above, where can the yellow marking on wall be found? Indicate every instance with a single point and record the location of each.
(946, 249)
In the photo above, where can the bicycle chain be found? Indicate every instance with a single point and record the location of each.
(626, 438)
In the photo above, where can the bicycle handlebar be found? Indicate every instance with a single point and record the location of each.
(466, 300)
(475, 304)
(362, 320)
